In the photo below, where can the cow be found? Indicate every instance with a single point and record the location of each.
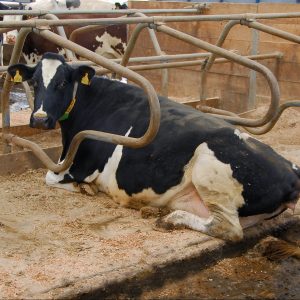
(214, 178)
(109, 42)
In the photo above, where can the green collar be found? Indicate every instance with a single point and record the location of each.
(65, 116)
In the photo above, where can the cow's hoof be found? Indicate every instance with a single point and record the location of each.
(153, 212)
(162, 224)
(87, 189)
(149, 212)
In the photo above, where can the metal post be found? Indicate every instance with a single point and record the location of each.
(158, 51)
(252, 76)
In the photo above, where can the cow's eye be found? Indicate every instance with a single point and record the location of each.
(62, 85)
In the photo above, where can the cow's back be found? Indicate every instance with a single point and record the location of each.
(118, 108)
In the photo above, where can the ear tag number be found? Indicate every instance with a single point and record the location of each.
(17, 77)
(85, 79)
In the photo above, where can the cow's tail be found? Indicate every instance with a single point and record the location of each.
(275, 249)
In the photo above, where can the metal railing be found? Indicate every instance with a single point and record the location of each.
(151, 23)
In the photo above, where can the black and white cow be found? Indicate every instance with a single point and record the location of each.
(215, 178)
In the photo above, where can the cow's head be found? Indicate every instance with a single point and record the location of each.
(55, 85)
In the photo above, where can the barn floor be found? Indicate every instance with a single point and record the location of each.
(56, 244)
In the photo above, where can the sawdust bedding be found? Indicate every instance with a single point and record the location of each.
(49, 235)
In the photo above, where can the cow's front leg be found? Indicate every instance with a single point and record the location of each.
(65, 181)
(89, 189)
(57, 180)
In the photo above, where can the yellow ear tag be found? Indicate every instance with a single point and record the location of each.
(85, 79)
(17, 77)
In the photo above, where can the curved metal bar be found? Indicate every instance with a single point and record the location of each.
(220, 41)
(131, 43)
(158, 51)
(264, 28)
(91, 134)
(215, 111)
(271, 124)
(209, 62)
(275, 93)
(28, 94)
(15, 56)
(257, 131)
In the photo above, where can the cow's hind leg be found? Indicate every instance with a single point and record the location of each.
(182, 218)
(221, 194)
(217, 225)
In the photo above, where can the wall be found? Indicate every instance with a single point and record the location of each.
(228, 81)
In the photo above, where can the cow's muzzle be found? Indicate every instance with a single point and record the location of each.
(42, 123)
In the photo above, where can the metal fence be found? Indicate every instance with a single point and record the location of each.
(157, 23)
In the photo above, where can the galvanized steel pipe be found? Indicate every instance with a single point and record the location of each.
(15, 56)
(40, 12)
(38, 23)
(271, 30)
(247, 16)
(275, 93)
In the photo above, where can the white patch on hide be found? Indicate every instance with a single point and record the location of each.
(242, 135)
(53, 180)
(107, 181)
(49, 69)
(295, 167)
(214, 180)
(92, 177)
(123, 80)
(40, 113)
(32, 58)
(61, 51)
(108, 42)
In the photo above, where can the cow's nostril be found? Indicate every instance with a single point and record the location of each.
(41, 123)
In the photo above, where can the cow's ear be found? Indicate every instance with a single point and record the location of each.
(84, 74)
(20, 72)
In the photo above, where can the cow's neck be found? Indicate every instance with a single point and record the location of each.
(87, 99)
